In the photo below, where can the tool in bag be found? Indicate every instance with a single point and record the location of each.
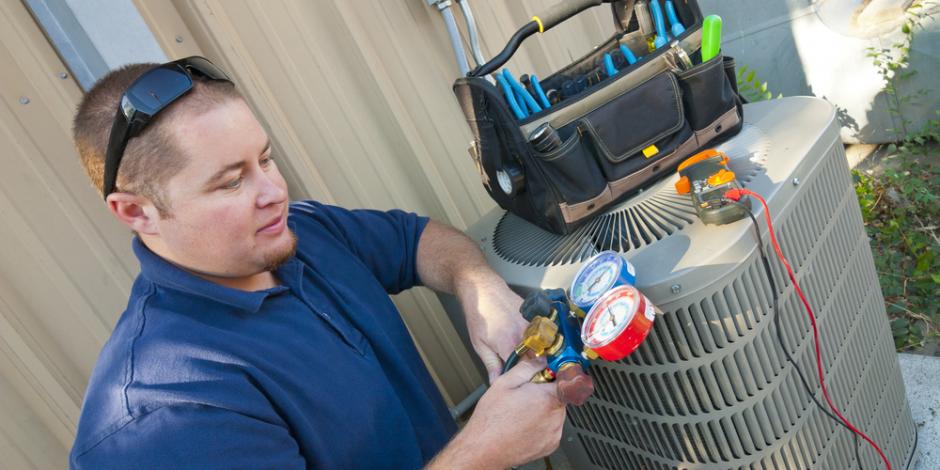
(711, 36)
(706, 177)
(660, 22)
(618, 119)
(676, 26)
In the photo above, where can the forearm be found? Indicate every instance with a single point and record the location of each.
(448, 261)
(462, 453)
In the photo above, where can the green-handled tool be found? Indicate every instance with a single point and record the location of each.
(711, 37)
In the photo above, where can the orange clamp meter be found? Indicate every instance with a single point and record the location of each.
(706, 177)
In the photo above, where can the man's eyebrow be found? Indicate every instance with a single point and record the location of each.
(267, 147)
(223, 171)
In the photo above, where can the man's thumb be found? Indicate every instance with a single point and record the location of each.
(523, 372)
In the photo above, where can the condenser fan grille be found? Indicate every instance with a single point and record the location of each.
(624, 230)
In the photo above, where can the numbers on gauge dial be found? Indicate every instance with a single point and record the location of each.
(611, 321)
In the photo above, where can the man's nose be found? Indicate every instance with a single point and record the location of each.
(272, 190)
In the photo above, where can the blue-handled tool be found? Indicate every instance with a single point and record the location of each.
(677, 27)
(543, 98)
(521, 100)
(510, 96)
(609, 65)
(522, 92)
(628, 54)
(662, 38)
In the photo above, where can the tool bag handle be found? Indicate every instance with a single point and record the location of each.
(539, 24)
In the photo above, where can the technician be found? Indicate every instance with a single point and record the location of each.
(259, 332)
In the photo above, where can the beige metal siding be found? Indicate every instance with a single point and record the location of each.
(357, 98)
(65, 265)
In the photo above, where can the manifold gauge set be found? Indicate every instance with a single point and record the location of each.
(618, 316)
(602, 316)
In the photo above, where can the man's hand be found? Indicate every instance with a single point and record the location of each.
(515, 422)
(493, 320)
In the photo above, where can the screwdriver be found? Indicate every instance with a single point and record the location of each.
(711, 37)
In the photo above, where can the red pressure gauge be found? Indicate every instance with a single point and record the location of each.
(618, 323)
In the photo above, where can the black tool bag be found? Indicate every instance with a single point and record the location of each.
(599, 145)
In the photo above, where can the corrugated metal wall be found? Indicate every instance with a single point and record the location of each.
(357, 98)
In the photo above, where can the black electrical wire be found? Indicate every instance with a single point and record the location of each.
(773, 288)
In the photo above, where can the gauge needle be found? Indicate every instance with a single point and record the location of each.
(594, 284)
(612, 321)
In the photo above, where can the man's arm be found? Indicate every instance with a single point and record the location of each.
(516, 421)
(448, 261)
(192, 436)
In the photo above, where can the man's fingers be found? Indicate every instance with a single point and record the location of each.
(491, 362)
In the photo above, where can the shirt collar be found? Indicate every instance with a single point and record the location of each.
(164, 273)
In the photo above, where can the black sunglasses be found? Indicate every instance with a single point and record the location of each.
(151, 93)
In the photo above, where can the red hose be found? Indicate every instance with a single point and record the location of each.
(735, 195)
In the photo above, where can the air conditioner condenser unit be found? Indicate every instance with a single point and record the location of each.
(710, 387)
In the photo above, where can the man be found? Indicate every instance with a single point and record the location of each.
(259, 333)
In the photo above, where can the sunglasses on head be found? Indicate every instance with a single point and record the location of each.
(151, 93)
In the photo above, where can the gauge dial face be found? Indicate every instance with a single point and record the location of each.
(594, 280)
(505, 182)
(610, 317)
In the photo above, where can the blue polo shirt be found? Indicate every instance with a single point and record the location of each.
(318, 372)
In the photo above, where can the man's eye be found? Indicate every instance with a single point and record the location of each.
(233, 184)
(267, 161)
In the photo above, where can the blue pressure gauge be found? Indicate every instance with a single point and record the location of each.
(598, 275)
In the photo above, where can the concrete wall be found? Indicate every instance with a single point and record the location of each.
(818, 47)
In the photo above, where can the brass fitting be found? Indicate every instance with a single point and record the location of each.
(576, 311)
(589, 354)
(543, 376)
(557, 346)
(539, 336)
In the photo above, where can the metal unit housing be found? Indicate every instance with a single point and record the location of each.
(710, 387)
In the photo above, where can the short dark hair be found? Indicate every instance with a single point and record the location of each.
(153, 156)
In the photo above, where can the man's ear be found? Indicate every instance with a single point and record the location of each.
(136, 212)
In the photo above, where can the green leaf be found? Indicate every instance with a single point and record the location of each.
(900, 323)
(750, 76)
(935, 277)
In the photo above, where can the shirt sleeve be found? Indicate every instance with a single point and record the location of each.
(193, 436)
(385, 241)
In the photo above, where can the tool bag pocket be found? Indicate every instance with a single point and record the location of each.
(710, 98)
(627, 139)
(572, 170)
